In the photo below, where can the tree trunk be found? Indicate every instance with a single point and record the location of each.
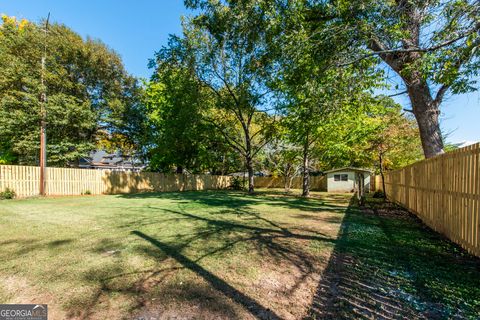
(248, 156)
(426, 112)
(249, 165)
(306, 173)
(288, 183)
(382, 175)
(424, 107)
(287, 177)
(361, 188)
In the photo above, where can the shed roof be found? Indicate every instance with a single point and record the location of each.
(349, 169)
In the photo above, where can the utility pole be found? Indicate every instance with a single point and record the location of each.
(43, 117)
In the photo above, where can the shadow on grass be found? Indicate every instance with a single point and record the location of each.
(240, 200)
(230, 228)
(276, 231)
(250, 304)
(387, 265)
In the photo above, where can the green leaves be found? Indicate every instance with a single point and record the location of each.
(177, 110)
(88, 92)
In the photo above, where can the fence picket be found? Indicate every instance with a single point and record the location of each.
(444, 192)
(24, 180)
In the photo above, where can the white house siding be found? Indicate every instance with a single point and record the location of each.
(345, 186)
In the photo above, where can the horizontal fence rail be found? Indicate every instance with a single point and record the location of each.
(25, 180)
(444, 192)
(317, 183)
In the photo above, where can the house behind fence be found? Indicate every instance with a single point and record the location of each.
(100, 159)
(25, 181)
(444, 192)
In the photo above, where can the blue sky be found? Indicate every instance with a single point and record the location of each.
(137, 28)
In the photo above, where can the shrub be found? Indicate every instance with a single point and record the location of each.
(378, 194)
(237, 183)
(7, 194)
(87, 192)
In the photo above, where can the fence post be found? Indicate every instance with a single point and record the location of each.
(443, 193)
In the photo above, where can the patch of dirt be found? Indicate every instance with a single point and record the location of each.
(284, 285)
(194, 299)
(388, 209)
(21, 291)
(288, 292)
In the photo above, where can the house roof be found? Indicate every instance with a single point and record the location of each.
(103, 159)
(349, 169)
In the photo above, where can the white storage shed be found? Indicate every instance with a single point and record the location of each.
(347, 179)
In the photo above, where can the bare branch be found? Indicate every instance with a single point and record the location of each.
(234, 144)
(440, 94)
(260, 147)
(387, 54)
(218, 94)
(397, 94)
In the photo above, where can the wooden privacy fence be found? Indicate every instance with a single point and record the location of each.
(25, 180)
(318, 183)
(444, 192)
(376, 183)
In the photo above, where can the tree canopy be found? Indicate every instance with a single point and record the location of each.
(432, 46)
(90, 95)
(178, 107)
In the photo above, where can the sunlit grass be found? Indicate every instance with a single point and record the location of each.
(86, 255)
(228, 255)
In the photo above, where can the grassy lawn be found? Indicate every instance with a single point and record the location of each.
(226, 255)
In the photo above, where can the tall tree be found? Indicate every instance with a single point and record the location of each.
(315, 91)
(431, 45)
(313, 104)
(89, 93)
(232, 62)
(177, 108)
